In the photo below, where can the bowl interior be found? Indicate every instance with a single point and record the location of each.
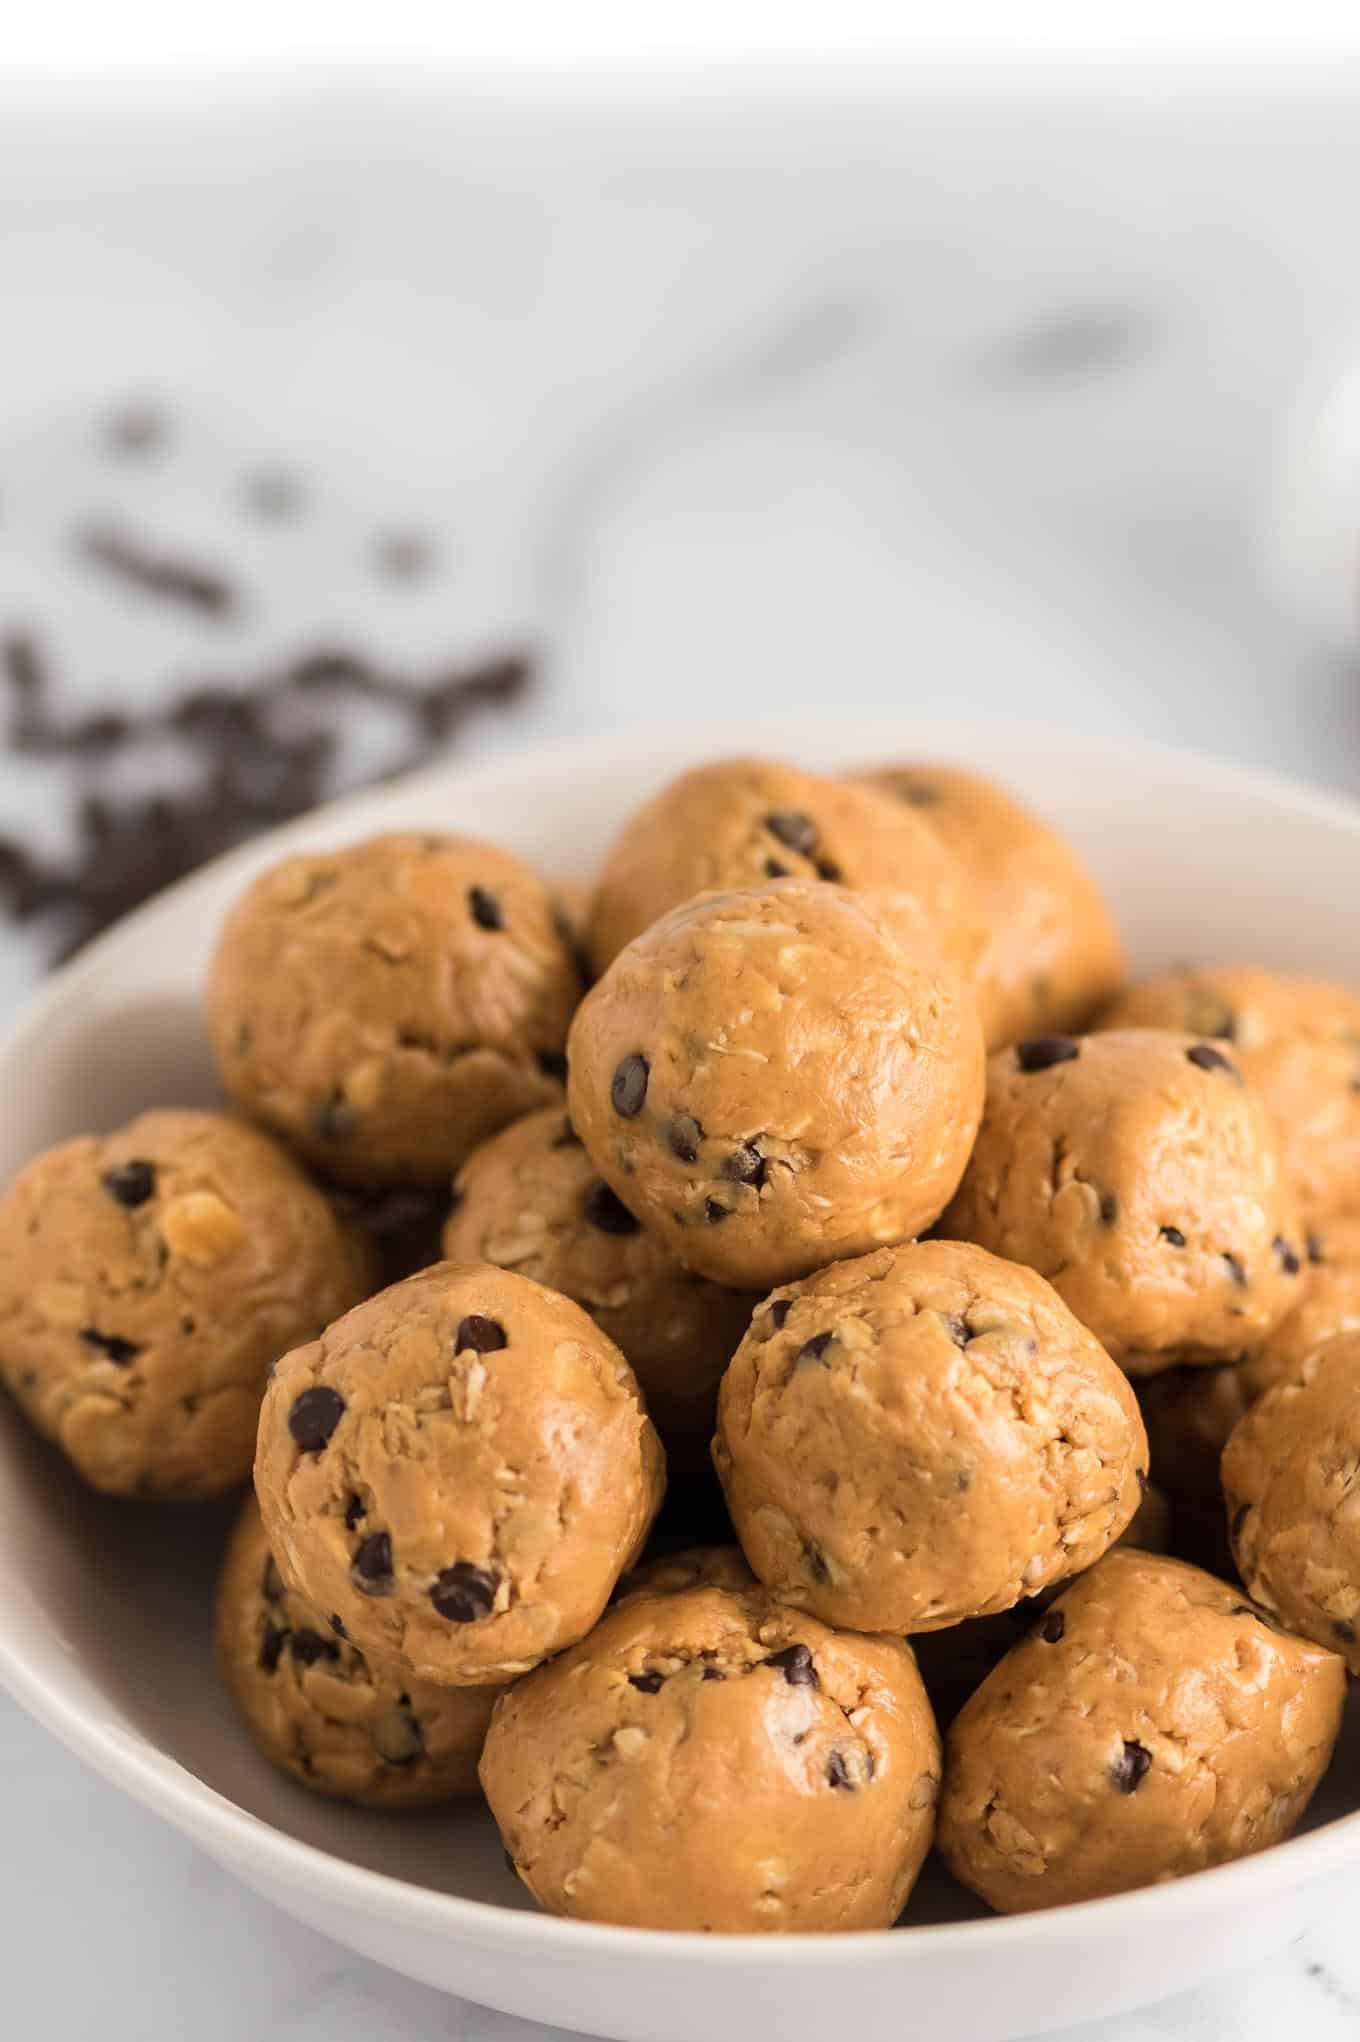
(110, 1607)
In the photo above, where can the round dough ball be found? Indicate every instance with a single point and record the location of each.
(773, 1078)
(691, 1567)
(924, 1435)
(1139, 1174)
(530, 1199)
(386, 1007)
(1289, 1486)
(1053, 956)
(148, 1279)
(320, 1711)
(1152, 1724)
(713, 1761)
(1297, 1044)
(747, 822)
(460, 1469)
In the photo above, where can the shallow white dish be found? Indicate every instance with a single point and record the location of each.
(105, 1612)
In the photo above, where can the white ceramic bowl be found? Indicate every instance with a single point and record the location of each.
(105, 1612)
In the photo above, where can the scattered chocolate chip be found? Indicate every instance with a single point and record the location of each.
(113, 1345)
(271, 1582)
(1130, 1769)
(566, 1137)
(307, 1647)
(271, 1645)
(130, 1183)
(795, 1663)
(483, 1336)
(774, 870)
(354, 1510)
(813, 1349)
(1289, 1261)
(1343, 1630)
(798, 832)
(816, 1566)
(371, 1567)
(779, 1312)
(158, 574)
(745, 1165)
(714, 1213)
(837, 1773)
(683, 1137)
(315, 1414)
(1236, 1270)
(1206, 1058)
(828, 869)
(1052, 1627)
(601, 1208)
(464, 1593)
(1041, 1052)
(338, 1626)
(1239, 1518)
(1109, 1208)
(1313, 1243)
(484, 908)
(332, 1120)
(714, 1673)
(628, 1086)
(552, 1063)
(1173, 1235)
(646, 1683)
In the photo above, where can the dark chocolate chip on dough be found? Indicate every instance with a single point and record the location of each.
(314, 1416)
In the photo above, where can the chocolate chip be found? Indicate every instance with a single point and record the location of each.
(271, 1645)
(1206, 1058)
(552, 1063)
(774, 870)
(314, 1417)
(332, 1120)
(1173, 1235)
(797, 831)
(1130, 1769)
(828, 869)
(1313, 1243)
(337, 1625)
(1236, 1270)
(816, 1566)
(566, 1137)
(1289, 1261)
(354, 1510)
(181, 581)
(1041, 1052)
(813, 1349)
(683, 1137)
(1052, 1627)
(113, 1345)
(271, 1582)
(602, 1209)
(483, 1336)
(745, 1165)
(714, 1213)
(371, 1567)
(646, 1683)
(484, 908)
(1344, 1631)
(130, 1183)
(1109, 1208)
(779, 1312)
(1239, 1518)
(714, 1673)
(307, 1647)
(464, 1593)
(795, 1663)
(837, 1774)
(628, 1086)
(957, 1328)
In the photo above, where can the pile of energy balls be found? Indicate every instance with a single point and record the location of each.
(822, 1146)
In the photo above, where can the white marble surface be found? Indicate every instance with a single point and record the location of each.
(725, 397)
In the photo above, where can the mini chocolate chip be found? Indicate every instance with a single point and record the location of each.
(130, 1183)
(828, 869)
(1236, 1270)
(464, 1593)
(628, 1086)
(1313, 1243)
(646, 1683)
(271, 1584)
(1239, 1519)
(958, 1329)
(816, 1566)
(1109, 1208)
(837, 1774)
(745, 1165)
(683, 1137)
(1052, 1627)
(1344, 1631)
(354, 1510)
(484, 908)
(1241, 1609)
(779, 1312)
(113, 1345)
(337, 1624)
(1289, 1261)
(714, 1673)
(1130, 1769)
(1206, 1058)
(371, 1568)
(602, 1209)
(774, 870)
(308, 1646)
(332, 1120)
(1041, 1052)
(552, 1063)
(271, 1645)
(795, 1663)
(813, 1350)
(1173, 1235)
(314, 1417)
(566, 1137)
(714, 1213)
(797, 831)
(483, 1336)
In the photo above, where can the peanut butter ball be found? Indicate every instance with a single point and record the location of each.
(1138, 1173)
(773, 1078)
(460, 1469)
(1153, 1723)
(385, 1007)
(923, 1435)
(716, 1762)
(148, 1279)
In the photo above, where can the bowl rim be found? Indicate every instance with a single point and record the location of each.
(254, 1846)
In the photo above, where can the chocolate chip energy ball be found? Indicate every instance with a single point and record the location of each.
(386, 1007)
(924, 1435)
(715, 1762)
(460, 1469)
(148, 1279)
(530, 1199)
(1139, 1174)
(1296, 1042)
(1053, 956)
(1153, 1723)
(320, 1710)
(774, 1078)
(747, 822)
(1290, 1473)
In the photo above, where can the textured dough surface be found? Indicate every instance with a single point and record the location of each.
(385, 1007)
(1144, 1179)
(714, 1761)
(487, 1472)
(530, 1199)
(1053, 956)
(322, 1712)
(1153, 1723)
(775, 1078)
(923, 1435)
(148, 1278)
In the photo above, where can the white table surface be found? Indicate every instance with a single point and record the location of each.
(961, 399)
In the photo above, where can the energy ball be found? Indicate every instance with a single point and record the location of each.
(773, 1078)
(748, 822)
(923, 1435)
(712, 1761)
(320, 1711)
(460, 1469)
(530, 1199)
(1153, 1723)
(1289, 1485)
(691, 1567)
(1053, 956)
(1296, 1041)
(1144, 1179)
(148, 1279)
(383, 1008)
